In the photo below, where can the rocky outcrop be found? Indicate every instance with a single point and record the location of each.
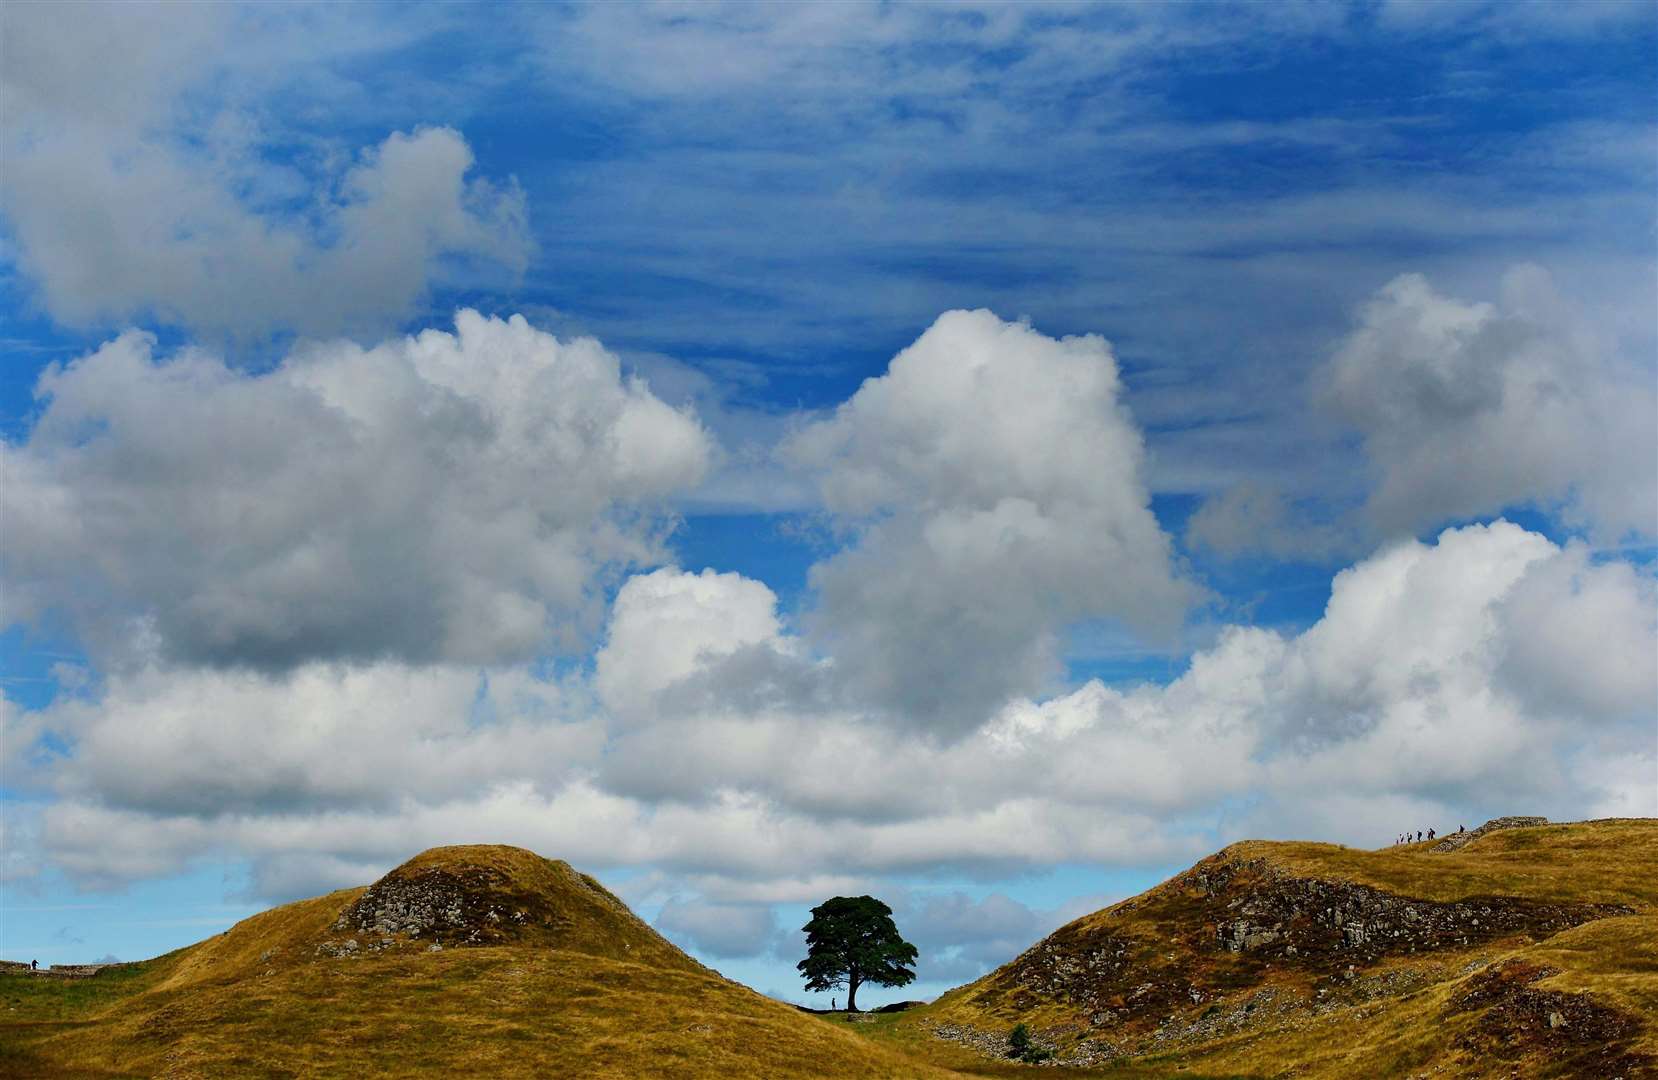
(1457, 841)
(492, 895)
(1516, 1019)
(1196, 954)
(1261, 910)
(469, 905)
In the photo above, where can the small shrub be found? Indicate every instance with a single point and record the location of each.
(1020, 1046)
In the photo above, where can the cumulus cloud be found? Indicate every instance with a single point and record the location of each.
(1419, 693)
(993, 479)
(722, 931)
(1467, 408)
(130, 198)
(445, 497)
(321, 738)
(667, 625)
(1420, 681)
(1432, 678)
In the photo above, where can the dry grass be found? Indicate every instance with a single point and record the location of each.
(258, 1001)
(600, 995)
(1418, 1029)
(1604, 862)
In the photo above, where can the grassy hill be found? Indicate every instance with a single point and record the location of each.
(539, 971)
(1529, 952)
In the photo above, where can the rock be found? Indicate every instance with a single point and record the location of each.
(1459, 840)
(340, 949)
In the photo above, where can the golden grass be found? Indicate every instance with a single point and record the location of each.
(259, 1001)
(1615, 960)
(1604, 862)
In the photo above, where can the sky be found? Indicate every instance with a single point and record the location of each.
(985, 456)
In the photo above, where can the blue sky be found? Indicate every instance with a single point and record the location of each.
(1301, 436)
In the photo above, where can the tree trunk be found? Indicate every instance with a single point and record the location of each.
(852, 981)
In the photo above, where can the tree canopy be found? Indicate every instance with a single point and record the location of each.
(852, 940)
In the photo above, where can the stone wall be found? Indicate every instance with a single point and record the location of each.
(61, 971)
(1459, 840)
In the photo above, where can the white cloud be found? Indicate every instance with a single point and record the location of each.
(1587, 645)
(455, 497)
(1406, 701)
(208, 507)
(130, 197)
(722, 931)
(667, 625)
(994, 480)
(1467, 408)
(320, 738)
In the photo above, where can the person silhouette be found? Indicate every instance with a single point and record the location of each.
(832, 1004)
(34, 965)
(1430, 834)
(1418, 836)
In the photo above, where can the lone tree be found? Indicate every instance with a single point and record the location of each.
(851, 940)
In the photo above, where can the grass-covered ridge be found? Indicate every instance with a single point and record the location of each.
(1530, 952)
(588, 989)
(1347, 962)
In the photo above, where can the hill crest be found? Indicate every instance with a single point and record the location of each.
(1265, 936)
(489, 894)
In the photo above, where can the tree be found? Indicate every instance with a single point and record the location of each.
(1020, 1045)
(852, 940)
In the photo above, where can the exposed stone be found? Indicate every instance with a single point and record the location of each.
(468, 905)
(1457, 841)
(1271, 912)
(1517, 1019)
(346, 949)
(1188, 961)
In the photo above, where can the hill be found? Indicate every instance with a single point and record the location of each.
(1529, 951)
(479, 961)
